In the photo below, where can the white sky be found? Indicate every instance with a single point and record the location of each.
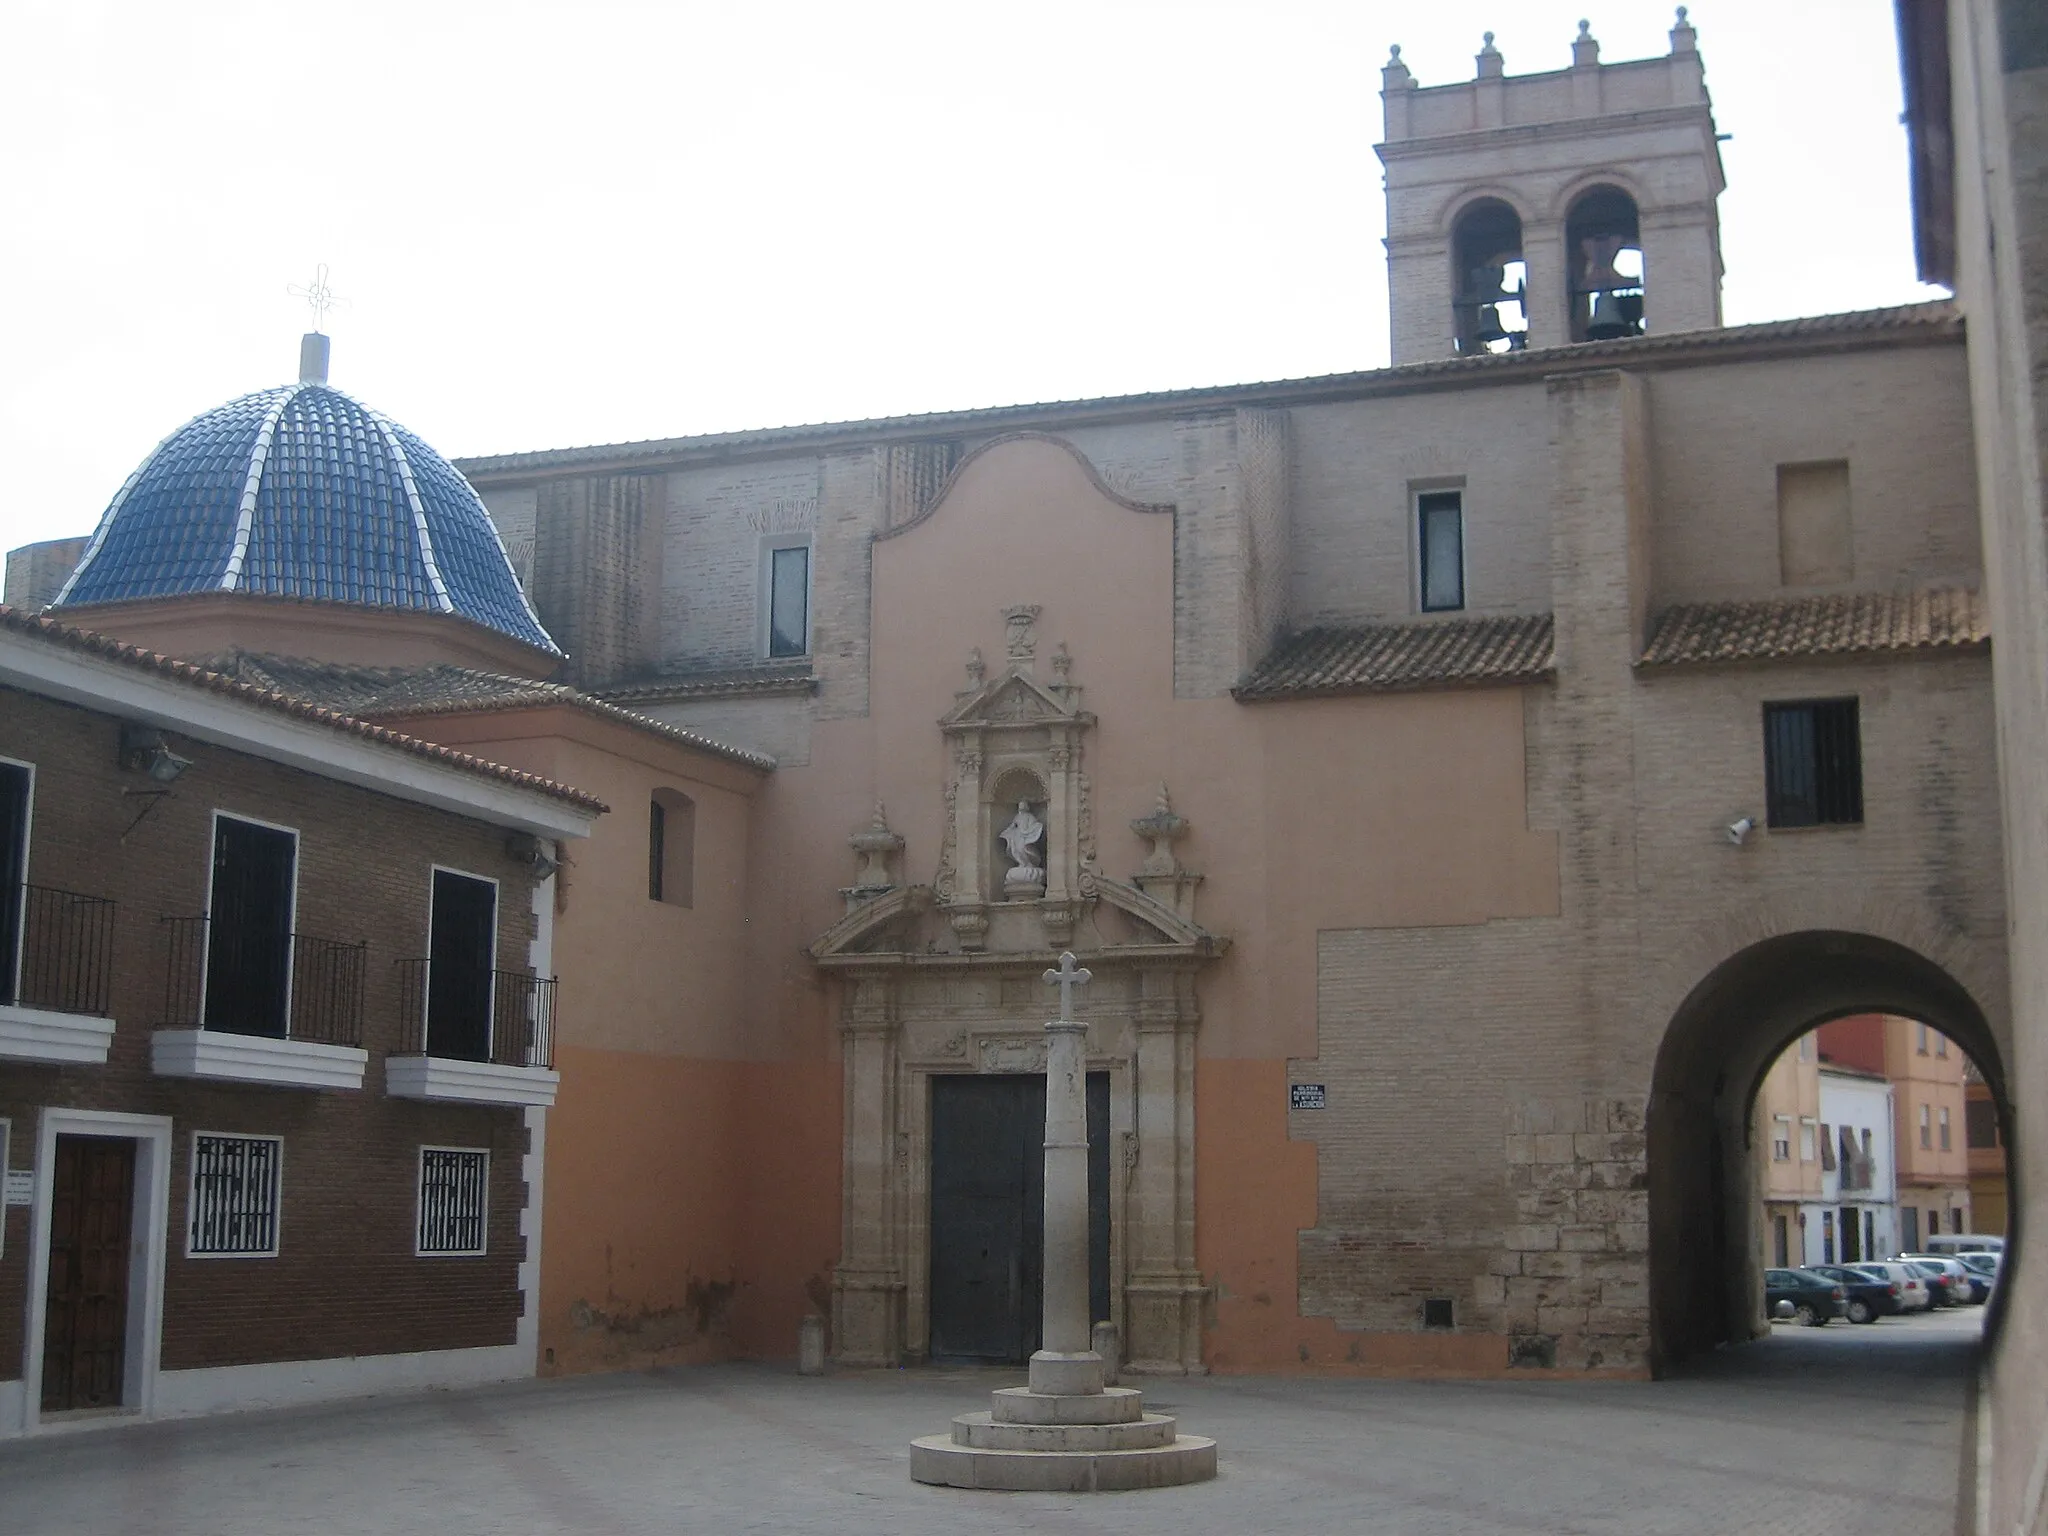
(594, 222)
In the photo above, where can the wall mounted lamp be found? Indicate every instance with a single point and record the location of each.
(144, 750)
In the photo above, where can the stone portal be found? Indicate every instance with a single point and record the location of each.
(1064, 1431)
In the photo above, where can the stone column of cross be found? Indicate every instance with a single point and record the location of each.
(1066, 1364)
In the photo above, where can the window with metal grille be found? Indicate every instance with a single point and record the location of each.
(233, 1207)
(454, 1200)
(1813, 764)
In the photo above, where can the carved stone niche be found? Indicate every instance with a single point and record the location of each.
(1016, 742)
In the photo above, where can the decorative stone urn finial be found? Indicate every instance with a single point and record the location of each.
(1162, 828)
(878, 848)
(1683, 38)
(1585, 49)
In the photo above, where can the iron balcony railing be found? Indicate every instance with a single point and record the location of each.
(468, 1013)
(56, 949)
(295, 986)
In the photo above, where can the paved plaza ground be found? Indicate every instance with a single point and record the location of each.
(1830, 1430)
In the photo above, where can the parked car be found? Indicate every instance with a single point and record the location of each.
(1939, 1285)
(1869, 1298)
(1815, 1299)
(1986, 1264)
(1914, 1296)
(1956, 1244)
(1964, 1283)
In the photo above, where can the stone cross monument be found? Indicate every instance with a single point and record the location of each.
(1065, 1431)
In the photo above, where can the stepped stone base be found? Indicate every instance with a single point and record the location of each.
(1087, 1442)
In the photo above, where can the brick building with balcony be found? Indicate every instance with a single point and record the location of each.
(276, 998)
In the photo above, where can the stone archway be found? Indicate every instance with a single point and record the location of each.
(1706, 1280)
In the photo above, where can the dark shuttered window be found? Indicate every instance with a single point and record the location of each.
(1813, 763)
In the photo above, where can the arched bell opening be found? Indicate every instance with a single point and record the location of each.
(1489, 279)
(1604, 263)
(1708, 1234)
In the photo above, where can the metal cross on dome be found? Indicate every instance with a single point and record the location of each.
(318, 296)
(1066, 978)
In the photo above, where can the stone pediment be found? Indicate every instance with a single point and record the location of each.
(905, 927)
(1014, 699)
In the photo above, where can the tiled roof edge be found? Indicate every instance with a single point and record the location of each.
(1934, 320)
(544, 695)
(1534, 634)
(50, 632)
(1678, 624)
(717, 685)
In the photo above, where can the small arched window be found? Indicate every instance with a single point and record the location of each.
(1604, 255)
(1488, 279)
(671, 848)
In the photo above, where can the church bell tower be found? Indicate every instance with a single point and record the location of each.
(1542, 210)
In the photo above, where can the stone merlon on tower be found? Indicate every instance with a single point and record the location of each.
(1541, 210)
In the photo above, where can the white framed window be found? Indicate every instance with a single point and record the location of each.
(1806, 1130)
(233, 1196)
(1781, 1139)
(786, 597)
(1440, 550)
(1945, 1146)
(1920, 1039)
(454, 1202)
(1926, 1130)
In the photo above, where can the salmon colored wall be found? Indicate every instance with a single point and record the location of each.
(1308, 816)
(1402, 809)
(654, 1146)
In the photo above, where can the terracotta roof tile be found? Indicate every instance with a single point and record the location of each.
(735, 682)
(448, 690)
(1383, 658)
(1839, 624)
(265, 694)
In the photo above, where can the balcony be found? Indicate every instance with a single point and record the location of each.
(284, 1009)
(56, 975)
(471, 1035)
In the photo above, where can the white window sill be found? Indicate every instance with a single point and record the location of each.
(43, 1034)
(446, 1081)
(226, 1057)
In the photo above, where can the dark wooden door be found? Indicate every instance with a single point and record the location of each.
(249, 940)
(85, 1327)
(14, 792)
(465, 928)
(988, 1214)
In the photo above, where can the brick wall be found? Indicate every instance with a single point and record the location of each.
(345, 1281)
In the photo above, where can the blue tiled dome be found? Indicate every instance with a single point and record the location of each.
(304, 492)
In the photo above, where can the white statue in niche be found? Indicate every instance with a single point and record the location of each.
(1027, 864)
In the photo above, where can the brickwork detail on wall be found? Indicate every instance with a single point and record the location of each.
(344, 1280)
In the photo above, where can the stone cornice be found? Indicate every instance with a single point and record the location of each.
(1492, 139)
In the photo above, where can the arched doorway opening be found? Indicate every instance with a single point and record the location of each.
(1707, 1238)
